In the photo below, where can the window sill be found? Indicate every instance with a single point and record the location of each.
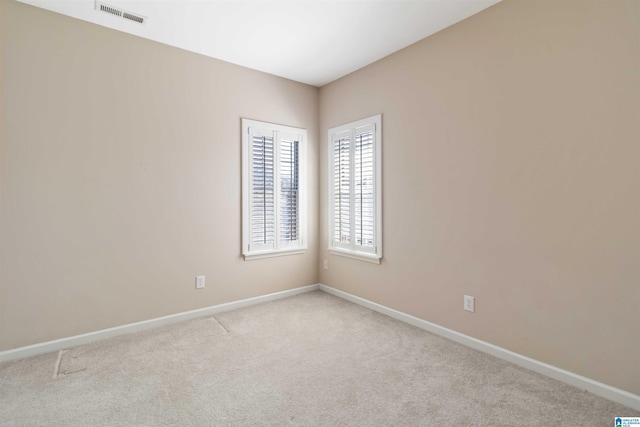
(362, 256)
(271, 254)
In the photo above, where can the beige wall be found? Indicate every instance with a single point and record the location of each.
(120, 178)
(511, 152)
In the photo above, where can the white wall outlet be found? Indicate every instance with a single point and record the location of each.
(469, 303)
(326, 264)
(199, 282)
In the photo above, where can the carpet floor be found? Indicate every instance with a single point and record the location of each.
(308, 360)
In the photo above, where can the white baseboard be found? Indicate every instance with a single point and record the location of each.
(64, 343)
(615, 394)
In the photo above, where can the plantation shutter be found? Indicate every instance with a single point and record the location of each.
(273, 189)
(289, 189)
(354, 181)
(364, 188)
(342, 189)
(262, 198)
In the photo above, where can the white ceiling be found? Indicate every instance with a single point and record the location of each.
(310, 41)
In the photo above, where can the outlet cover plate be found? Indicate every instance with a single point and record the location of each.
(469, 303)
(199, 282)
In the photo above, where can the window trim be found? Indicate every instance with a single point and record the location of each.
(280, 247)
(374, 256)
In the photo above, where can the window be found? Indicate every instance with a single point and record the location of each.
(355, 186)
(273, 189)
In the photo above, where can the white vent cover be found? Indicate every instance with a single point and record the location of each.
(116, 11)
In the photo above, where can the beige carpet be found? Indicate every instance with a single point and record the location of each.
(309, 360)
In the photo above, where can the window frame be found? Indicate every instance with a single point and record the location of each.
(351, 249)
(279, 132)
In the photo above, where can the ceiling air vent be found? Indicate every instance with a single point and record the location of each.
(116, 11)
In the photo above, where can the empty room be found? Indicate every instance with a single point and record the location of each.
(319, 213)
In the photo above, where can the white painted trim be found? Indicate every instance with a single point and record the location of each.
(65, 343)
(603, 390)
(271, 254)
(362, 256)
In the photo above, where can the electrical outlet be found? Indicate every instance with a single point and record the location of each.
(326, 264)
(469, 303)
(199, 282)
